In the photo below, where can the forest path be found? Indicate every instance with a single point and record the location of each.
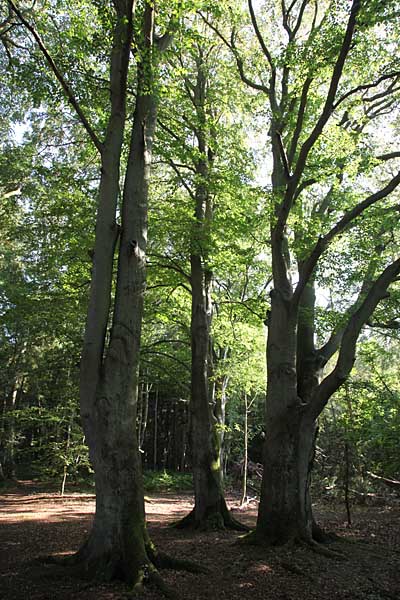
(36, 521)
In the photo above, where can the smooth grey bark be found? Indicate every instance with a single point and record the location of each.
(118, 544)
(295, 395)
(210, 509)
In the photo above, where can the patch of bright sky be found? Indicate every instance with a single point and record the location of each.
(19, 130)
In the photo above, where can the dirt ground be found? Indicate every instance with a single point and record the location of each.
(35, 522)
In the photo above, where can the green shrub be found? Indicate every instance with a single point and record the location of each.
(167, 481)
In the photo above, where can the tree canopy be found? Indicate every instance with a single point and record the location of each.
(185, 186)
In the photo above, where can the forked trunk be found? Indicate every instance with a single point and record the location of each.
(285, 509)
(118, 545)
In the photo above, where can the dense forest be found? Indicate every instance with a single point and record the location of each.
(199, 261)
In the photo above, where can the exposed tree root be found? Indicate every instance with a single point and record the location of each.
(107, 567)
(187, 522)
(320, 549)
(257, 539)
(165, 561)
(214, 520)
(323, 537)
(234, 524)
(150, 576)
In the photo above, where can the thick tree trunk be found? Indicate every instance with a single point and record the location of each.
(118, 544)
(284, 511)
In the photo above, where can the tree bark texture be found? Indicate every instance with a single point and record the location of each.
(295, 395)
(210, 510)
(118, 544)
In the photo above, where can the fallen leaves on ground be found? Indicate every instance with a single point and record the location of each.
(35, 522)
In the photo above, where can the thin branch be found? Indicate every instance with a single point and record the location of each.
(167, 341)
(392, 324)
(300, 18)
(299, 121)
(64, 84)
(261, 40)
(172, 264)
(345, 361)
(181, 179)
(166, 355)
(168, 130)
(304, 185)
(347, 219)
(179, 165)
(380, 108)
(239, 60)
(328, 107)
(366, 86)
(331, 346)
(391, 89)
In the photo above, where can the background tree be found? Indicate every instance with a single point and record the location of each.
(197, 151)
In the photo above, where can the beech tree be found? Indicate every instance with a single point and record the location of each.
(330, 75)
(118, 544)
(210, 508)
(196, 145)
(314, 68)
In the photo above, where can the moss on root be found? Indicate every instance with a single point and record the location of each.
(108, 566)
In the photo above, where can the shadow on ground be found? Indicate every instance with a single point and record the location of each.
(34, 523)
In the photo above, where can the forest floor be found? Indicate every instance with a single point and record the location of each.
(35, 521)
